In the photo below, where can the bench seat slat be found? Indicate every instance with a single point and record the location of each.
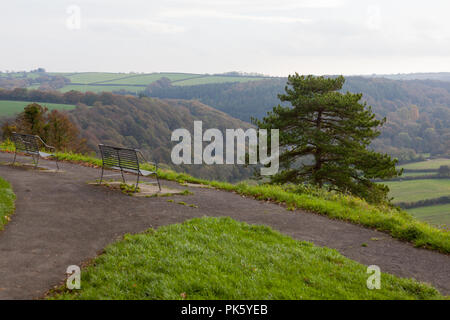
(45, 155)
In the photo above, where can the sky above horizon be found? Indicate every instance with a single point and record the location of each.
(273, 37)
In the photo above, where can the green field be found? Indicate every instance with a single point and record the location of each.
(89, 77)
(10, 108)
(429, 164)
(146, 79)
(438, 214)
(90, 81)
(415, 190)
(219, 258)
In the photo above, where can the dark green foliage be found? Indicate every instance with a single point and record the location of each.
(334, 130)
(147, 124)
(424, 203)
(241, 100)
(417, 111)
(444, 171)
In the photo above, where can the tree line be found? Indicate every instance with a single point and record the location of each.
(417, 112)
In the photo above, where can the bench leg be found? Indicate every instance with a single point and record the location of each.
(123, 178)
(57, 166)
(101, 177)
(36, 162)
(157, 179)
(15, 155)
(137, 184)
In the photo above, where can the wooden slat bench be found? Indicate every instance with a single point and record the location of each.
(125, 160)
(30, 144)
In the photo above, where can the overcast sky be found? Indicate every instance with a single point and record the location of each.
(275, 37)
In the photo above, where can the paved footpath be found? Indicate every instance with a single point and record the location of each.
(61, 220)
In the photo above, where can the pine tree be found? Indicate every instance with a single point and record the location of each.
(324, 139)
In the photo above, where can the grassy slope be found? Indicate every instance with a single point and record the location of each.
(415, 190)
(219, 258)
(397, 223)
(7, 198)
(10, 108)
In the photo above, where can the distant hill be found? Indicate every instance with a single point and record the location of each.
(113, 82)
(148, 123)
(144, 123)
(441, 76)
(418, 111)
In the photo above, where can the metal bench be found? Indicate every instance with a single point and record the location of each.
(125, 160)
(29, 144)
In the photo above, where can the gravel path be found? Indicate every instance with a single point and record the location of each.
(61, 220)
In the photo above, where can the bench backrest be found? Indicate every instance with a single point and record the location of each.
(117, 157)
(27, 143)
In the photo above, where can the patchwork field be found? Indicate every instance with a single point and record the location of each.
(132, 82)
(10, 108)
(103, 81)
(416, 190)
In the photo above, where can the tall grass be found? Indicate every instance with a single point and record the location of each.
(7, 198)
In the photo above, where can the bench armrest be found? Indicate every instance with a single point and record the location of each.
(145, 160)
(46, 145)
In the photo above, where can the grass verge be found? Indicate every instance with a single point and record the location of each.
(219, 258)
(398, 223)
(7, 199)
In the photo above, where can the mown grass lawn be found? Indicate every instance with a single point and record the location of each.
(219, 258)
(7, 199)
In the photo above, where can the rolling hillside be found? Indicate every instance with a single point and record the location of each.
(110, 82)
(147, 124)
